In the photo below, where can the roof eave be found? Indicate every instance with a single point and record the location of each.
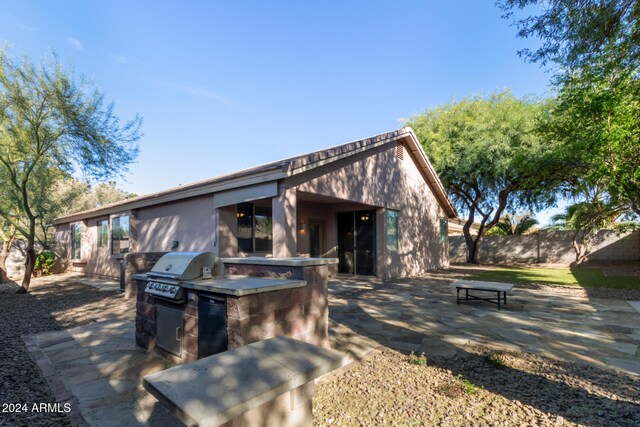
(179, 193)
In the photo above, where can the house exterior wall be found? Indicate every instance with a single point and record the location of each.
(380, 179)
(228, 230)
(62, 246)
(191, 222)
(308, 212)
(375, 179)
(99, 261)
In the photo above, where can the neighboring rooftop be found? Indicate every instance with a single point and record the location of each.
(277, 170)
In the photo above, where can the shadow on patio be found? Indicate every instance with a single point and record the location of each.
(421, 315)
(94, 366)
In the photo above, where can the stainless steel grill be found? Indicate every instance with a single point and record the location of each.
(166, 277)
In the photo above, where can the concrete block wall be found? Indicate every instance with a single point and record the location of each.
(548, 246)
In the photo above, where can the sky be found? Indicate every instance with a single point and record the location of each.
(222, 86)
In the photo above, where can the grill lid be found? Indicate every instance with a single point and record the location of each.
(182, 265)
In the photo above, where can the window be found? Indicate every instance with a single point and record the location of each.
(103, 233)
(444, 230)
(255, 228)
(392, 230)
(120, 235)
(76, 240)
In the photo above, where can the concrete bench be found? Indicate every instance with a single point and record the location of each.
(268, 382)
(500, 289)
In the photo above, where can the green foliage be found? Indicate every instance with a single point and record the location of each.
(513, 225)
(596, 119)
(44, 263)
(418, 360)
(585, 219)
(489, 156)
(469, 387)
(626, 226)
(495, 358)
(50, 127)
(573, 33)
(596, 122)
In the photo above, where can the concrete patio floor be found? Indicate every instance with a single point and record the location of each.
(98, 368)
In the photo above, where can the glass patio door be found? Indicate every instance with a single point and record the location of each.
(356, 242)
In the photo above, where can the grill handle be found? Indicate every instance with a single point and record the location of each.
(178, 334)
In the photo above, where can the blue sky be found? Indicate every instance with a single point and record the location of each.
(227, 85)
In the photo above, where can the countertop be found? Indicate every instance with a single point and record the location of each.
(236, 284)
(286, 262)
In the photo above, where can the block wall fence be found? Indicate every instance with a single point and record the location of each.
(548, 247)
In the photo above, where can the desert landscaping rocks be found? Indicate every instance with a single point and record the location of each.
(552, 356)
(471, 390)
(53, 304)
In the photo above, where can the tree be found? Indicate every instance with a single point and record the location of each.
(488, 156)
(574, 33)
(585, 219)
(51, 126)
(596, 122)
(596, 46)
(8, 236)
(513, 225)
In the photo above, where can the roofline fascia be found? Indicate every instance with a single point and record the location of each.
(176, 194)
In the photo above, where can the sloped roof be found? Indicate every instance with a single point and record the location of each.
(278, 170)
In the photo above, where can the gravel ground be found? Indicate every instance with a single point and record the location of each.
(482, 388)
(45, 308)
(520, 389)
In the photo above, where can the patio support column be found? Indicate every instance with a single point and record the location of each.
(284, 223)
(227, 231)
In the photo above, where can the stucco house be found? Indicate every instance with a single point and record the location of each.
(375, 204)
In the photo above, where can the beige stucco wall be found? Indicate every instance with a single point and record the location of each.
(99, 261)
(308, 212)
(228, 230)
(379, 179)
(191, 222)
(374, 179)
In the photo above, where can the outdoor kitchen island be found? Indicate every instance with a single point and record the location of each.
(251, 299)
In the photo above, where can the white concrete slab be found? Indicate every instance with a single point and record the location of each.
(242, 285)
(216, 389)
(480, 285)
(287, 262)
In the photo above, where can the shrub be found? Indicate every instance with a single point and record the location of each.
(417, 360)
(44, 263)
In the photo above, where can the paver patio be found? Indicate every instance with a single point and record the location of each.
(99, 369)
(421, 315)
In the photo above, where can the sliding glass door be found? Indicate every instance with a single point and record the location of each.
(356, 242)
